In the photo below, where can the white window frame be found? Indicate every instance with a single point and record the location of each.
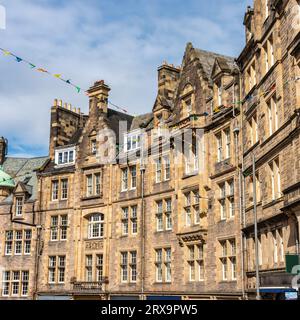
(159, 265)
(275, 247)
(19, 206)
(228, 143)
(219, 146)
(65, 156)
(167, 168)
(168, 265)
(55, 190)
(99, 223)
(125, 177)
(132, 141)
(124, 267)
(64, 188)
(133, 177)
(159, 216)
(158, 170)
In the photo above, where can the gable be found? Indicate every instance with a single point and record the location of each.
(216, 69)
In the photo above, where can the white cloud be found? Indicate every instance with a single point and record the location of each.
(79, 40)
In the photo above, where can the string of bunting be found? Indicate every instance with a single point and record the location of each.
(55, 75)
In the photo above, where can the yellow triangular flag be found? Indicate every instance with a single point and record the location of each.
(57, 75)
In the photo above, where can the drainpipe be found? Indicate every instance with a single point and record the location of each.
(236, 133)
(142, 223)
(255, 229)
(38, 243)
(242, 190)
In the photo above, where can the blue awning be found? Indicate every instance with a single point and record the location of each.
(276, 290)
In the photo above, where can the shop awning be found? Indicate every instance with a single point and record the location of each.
(276, 290)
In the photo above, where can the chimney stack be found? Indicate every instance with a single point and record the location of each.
(100, 91)
(168, 76)
(3, 149)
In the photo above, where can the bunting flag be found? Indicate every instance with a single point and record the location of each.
(42, 70)
(56, 75)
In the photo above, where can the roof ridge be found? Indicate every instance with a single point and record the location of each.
(215, 53)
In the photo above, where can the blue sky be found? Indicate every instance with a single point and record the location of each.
(120, 41)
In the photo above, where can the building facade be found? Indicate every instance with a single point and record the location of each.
(269, 67)
(161, 206)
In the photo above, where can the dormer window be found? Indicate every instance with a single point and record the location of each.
(132, 141)
(188, 104)
(219, 93)
(19, 206)
(188, 98)
(65, 156)
(94, 146)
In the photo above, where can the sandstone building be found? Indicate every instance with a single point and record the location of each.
(172, 216)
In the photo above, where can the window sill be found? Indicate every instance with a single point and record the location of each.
(227, 281)
(91, 197)
(196, 281)
(259, 203)
(19, 218)
(162, 231)
(189, 175)
(272, 203)
(56, 241)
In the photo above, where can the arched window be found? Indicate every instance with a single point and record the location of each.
(96, 226)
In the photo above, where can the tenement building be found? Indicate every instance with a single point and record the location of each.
(164, 205)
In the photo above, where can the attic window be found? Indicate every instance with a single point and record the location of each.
(19, 206)
(188, 98)
(219, 93)
(65, 156)
(94, 146)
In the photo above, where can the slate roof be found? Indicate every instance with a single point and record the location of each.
(114, 117)
(23, 170)
(207, 60)
(141, 120)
